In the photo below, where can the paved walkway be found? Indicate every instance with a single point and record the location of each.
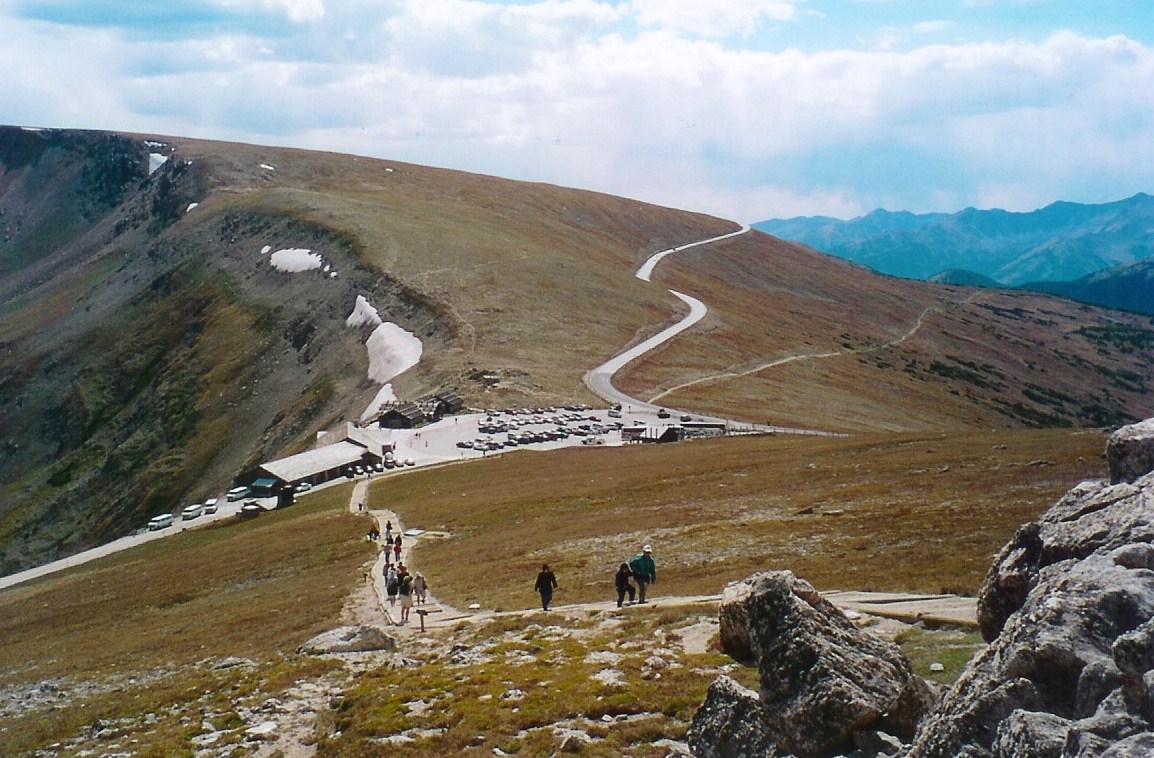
(945, 610)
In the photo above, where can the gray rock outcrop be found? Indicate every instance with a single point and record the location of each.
(1071, 669)
(1130, 452)
(1092, 516)
(350, 639)
(821, 679)
(1069, 607)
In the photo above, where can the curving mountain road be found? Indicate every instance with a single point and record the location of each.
(600, 379)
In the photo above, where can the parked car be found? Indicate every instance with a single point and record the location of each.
(662, 413)
(250, 509)
(210, 505)
(303, 487)
(192, 511)
(614, 413)
(163, 521)
(686, 417)
(237, 493)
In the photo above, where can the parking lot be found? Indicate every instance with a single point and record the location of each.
(502, 431)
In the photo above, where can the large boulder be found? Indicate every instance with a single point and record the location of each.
(1130, 452)
(1069, 675)
(350, 639)
(1069, 609)
(1092, 516)
(821, 679)
(729, 724)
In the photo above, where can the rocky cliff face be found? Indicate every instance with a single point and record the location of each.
(1068, 608)
(149, 351)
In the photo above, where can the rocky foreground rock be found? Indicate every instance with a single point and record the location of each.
(822, 681)
(1068, 609)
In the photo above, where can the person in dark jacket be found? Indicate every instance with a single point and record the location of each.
(621, 579)
(545, 585)
(644, 571)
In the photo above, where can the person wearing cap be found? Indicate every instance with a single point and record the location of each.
(644, 571)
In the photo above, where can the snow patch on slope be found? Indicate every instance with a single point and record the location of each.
(295, 260)
(392, 350)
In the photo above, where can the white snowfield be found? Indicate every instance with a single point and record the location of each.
(296, 259)
(363, 313)
(392, 350)
(155, 161)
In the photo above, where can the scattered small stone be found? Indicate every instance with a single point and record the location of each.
(350, 639)
(573, 742)
(937, 667)
(231, 662)
(610, 678)
(266, 730)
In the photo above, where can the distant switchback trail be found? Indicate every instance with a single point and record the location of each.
(728, 375)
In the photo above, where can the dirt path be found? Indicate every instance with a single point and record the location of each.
(727, 375)
(904, 608)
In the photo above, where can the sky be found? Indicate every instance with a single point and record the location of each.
(744, 109)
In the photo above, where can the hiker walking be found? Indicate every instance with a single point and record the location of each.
(621, 579)
(397, 548)
(388, 550)
(546, 583)
(389, 530)
(392, 583)
(420, 588)
(405, 590)
(644, 571)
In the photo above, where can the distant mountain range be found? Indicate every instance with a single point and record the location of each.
(1084, 252)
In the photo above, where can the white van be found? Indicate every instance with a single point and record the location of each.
(237, 493)
(162, 521)
(192, 511)
(210, 505)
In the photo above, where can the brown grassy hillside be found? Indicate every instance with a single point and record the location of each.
(151, 353)
(808, 340)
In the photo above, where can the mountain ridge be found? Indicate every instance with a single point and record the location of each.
(154, 353)
(1059, 242)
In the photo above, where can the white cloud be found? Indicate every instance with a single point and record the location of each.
(716, 18)
(617, 97)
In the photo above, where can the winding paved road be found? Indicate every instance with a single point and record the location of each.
(600, 380)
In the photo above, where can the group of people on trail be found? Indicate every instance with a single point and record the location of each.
(409, 587)
(399, 582)
(392, 545)
(641, 568)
